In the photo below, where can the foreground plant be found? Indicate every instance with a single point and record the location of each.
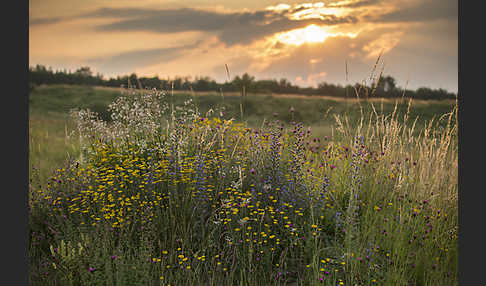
(164, 195)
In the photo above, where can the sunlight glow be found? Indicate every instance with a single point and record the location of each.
(309, 34)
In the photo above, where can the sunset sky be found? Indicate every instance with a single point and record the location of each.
(304, 42)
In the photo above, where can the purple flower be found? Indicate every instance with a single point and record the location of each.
(114, 257)
(252, 170)
(275, 114)
(91, 269)
(291, 109)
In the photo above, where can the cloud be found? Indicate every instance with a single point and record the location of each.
(423, 11)
(45, 21)
(327, 58)
(419, 39)
(383, 44)
(128, 62)
(355, 4)
(311, 79)
(231, 27)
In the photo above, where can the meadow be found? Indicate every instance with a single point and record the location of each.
(164, 188)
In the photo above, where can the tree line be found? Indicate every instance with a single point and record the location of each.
(385, 87)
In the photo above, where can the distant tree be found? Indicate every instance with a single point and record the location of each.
(385, 87)
(84, 72)
(266, 86)
(245, 81)
(389, 83)
(204, 84)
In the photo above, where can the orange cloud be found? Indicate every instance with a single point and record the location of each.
(311, 80)
(383, 44)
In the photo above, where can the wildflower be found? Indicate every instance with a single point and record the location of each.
(91, 269)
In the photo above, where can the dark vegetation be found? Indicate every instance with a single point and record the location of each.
(384, 88)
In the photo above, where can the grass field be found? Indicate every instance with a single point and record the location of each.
(50, 125)
(294, 191)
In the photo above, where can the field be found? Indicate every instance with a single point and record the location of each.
(50, 124)
(294, 191)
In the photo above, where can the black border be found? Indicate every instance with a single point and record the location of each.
(471, 92)
(15, 64)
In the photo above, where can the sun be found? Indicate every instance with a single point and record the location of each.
(314, 34)
(309, 34)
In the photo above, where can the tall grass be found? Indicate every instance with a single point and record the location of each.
(168, 193)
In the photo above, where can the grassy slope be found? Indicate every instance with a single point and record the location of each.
(389, 203)
(49, 123)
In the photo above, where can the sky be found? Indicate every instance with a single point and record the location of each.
(305, 42)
